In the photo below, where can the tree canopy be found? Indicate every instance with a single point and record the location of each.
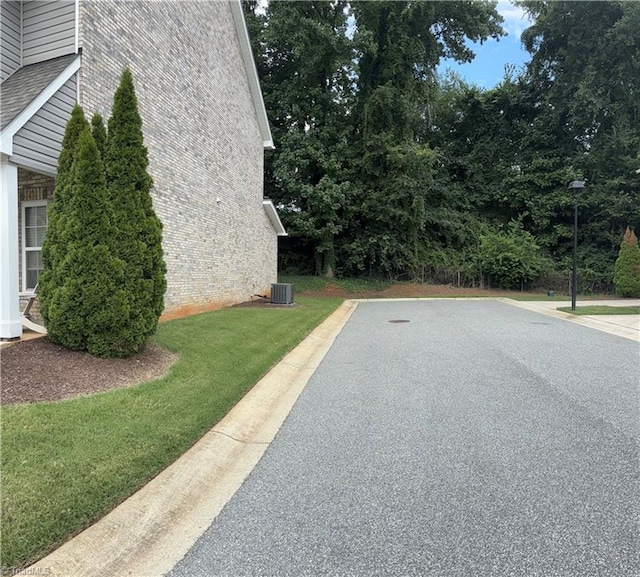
(382, 167)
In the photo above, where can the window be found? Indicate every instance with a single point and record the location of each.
(34, 226)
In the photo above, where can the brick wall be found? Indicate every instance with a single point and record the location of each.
(201, 130)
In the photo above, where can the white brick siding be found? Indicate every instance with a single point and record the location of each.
(203, 137)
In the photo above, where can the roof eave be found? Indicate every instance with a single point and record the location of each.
(252, 73)
(272, 213)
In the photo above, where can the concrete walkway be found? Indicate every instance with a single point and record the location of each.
(152, 531)
(627, 326)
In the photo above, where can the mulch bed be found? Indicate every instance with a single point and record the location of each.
(39, 370)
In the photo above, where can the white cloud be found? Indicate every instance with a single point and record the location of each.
(515, 18)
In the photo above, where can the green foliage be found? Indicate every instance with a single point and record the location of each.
(55, 245)
(104, 280)
(302, 56)
(349, 174)
(99, 133)
(627, 269)
(138, 242)
(511, 258)
(88, 303)
(380, 162)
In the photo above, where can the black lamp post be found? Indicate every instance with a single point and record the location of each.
(576, 186)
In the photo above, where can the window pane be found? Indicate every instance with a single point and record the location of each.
(30, 215)
(31, 237)
(34, 260)
(40, 232)
(41, 216)
(32, 279)
(34, 267)
(35, 218)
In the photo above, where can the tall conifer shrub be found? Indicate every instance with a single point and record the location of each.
(138, 241)
(89, 304)
(54, 247)
(626, 276)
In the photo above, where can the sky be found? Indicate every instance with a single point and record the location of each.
(487, 68)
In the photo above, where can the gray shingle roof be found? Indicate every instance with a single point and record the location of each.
(24, 85)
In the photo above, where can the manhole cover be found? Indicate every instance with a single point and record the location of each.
(399, 321)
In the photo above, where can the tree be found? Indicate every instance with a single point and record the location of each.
(138, 241)
(627, 268)
(55, 245)
(88, 306)
(585, 62)
(303, 55)
(399, 46)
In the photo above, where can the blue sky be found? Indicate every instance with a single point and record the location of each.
(487, 68)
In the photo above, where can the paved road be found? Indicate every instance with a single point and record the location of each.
(477, 439)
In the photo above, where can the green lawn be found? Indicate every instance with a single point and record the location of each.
(66, 464)
(602, 310)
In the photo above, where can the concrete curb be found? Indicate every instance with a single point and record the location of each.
(153, 529)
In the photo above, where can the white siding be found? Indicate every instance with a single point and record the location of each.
(10, 41)
(37, 144)
(48, 30)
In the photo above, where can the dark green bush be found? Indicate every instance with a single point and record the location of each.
(511, 258)
(138, 241)
(88, 306)
(54, 247)
(627, 269)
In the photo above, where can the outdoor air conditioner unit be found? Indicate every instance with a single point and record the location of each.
(282, 294)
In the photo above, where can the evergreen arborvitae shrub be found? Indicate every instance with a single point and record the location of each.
(99, 133)
(626, 276)
(138, 241)
(54, 247)
(88, 307)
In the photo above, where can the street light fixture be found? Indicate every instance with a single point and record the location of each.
(576, 187)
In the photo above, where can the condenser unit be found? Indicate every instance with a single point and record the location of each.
(282, 294)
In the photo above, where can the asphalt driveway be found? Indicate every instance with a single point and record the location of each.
(473, 438)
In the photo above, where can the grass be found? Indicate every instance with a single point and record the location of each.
(66, 464)
(602, 310)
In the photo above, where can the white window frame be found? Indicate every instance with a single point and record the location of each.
(27, 204)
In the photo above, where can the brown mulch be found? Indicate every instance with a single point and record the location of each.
(39, 370)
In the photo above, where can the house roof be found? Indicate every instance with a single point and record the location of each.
(23, 86)
(252, 73)
(27, 90)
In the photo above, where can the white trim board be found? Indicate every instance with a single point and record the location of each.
(272, 213)
(252, 73)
